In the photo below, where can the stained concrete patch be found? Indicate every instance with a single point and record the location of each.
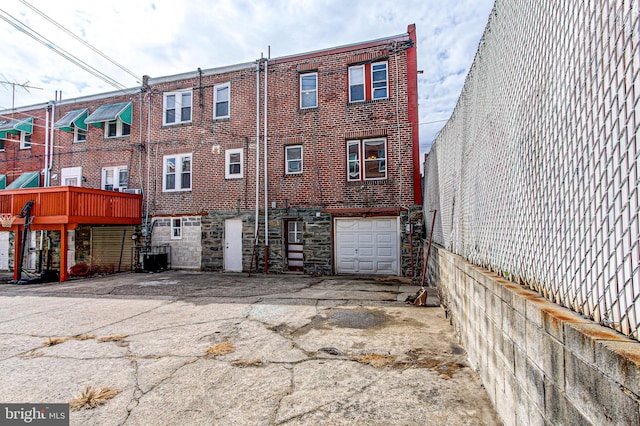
(295, 360)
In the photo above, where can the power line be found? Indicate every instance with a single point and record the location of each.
(68, 56)
(45, 16)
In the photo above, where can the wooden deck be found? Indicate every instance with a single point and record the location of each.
(73, 206)
(64, 208)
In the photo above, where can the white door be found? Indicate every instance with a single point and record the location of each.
(4, 251)
(71, 248)
(233, 245)
(367, 246)
(32, 250)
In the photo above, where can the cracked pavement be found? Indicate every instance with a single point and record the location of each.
(303, 350)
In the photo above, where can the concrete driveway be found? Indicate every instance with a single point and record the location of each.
(191, 348)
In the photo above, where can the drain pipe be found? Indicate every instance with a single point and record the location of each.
(255, 234)
(46, 146)
(53, 118)
(266, 181)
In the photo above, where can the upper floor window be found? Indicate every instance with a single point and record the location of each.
(356, 83)
(176, 173)
(309, 90)
(21, 127)
(176, 107)
(114, 118)
(79, 134)
(368, 81)
(116, 128)
(115, 178)
(293, 158)
(221, 101)
(379, 80)
(366, 159)
(233, 163)
(25, 140)
(74, 122)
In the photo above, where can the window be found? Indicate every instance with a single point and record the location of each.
(71, 176)
(294, 230)
(115, 129)
(176, 108)
(115, 178)
(375, 86)
(221, 101)
(309, 90)
(366, 159)
(233, 163)
(293, 157)
(176, 228)
(356, 83)
(25, 140)
(2, 144)
(379, 80)
(177, 173)
(79, 135)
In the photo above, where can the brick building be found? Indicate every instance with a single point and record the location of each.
(337, 130)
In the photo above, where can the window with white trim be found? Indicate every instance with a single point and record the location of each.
(356, 83)
(71, 176)
(293, 159)
(79, 135)
(379, 81)
(221, 101)
(366, 159)
(309, 90)
(176, 173)
(115, 178)
(116, 128)
(233, 168)
(25, 140)
(176, 228)
(366, 89)
(176, 107)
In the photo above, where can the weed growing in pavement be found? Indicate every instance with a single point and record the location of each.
(92, 397)
(220, 349)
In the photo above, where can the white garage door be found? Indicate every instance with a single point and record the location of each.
(367, 246)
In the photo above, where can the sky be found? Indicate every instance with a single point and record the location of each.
(167, 37)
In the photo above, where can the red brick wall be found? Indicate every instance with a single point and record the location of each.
(322, 131)
(15, 161)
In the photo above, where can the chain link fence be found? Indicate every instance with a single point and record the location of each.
(535, 176)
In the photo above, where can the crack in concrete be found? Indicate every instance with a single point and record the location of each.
(321, 406)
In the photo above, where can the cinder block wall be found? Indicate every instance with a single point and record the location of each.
(540, 363)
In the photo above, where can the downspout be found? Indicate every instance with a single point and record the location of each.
(46, 146)
(148, 189)
(257, 220)
(47, 179)
(51, 139)
(395, 55)
(266, 181)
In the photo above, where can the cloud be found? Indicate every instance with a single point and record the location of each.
(165, 37)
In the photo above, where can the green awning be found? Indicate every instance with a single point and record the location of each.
(73, 119)
(110, 112)
(3, 181)
(16, 126)
(26, 180)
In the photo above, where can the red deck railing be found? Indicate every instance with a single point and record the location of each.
(73, 205)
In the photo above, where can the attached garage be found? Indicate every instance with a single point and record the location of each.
(367, 245)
